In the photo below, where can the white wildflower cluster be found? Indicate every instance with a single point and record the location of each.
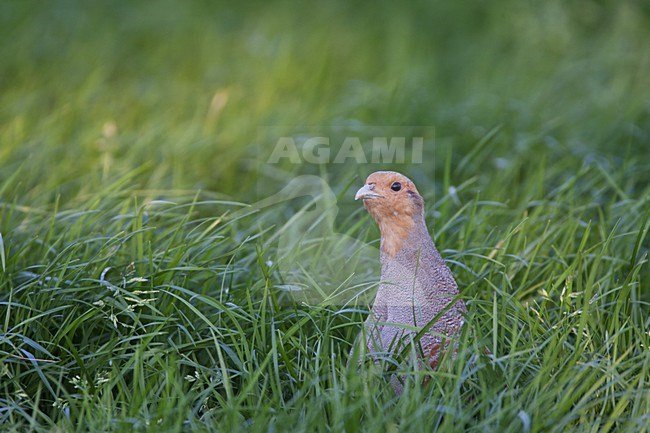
(133, 299)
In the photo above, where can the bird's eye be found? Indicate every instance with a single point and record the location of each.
(396, 186)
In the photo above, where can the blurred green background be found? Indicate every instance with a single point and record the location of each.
(91, 90)
(129, 302)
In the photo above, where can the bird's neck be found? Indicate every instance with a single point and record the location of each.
(401, 233)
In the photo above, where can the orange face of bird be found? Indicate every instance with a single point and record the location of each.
(389, 192)
(393, 201)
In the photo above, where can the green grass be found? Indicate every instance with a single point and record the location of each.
(140, 292)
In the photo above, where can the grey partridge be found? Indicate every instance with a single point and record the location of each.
(416, 285)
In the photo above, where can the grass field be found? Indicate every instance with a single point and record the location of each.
(139, 291)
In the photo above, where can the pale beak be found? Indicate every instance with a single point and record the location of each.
(366, 192)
